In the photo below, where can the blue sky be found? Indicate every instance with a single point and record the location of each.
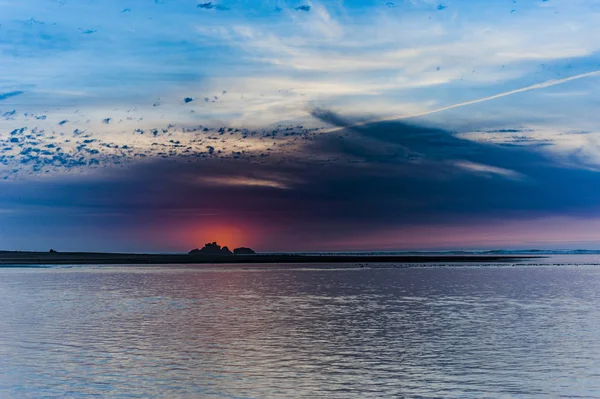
(257, 96)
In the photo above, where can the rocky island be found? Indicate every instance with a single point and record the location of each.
(212, 248)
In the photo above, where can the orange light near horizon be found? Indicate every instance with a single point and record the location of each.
(224, 234)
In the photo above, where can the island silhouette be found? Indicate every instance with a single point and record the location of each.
(212, 248)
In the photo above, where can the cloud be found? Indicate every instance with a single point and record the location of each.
(210, 6)
(241, 181)
(4, 96)
(275, 73)
(305, 8)
(488, 170)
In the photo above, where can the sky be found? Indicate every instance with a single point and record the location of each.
(159, 125)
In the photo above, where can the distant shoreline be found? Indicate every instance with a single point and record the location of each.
(90, 258)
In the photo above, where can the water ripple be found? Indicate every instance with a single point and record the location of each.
(164, 332)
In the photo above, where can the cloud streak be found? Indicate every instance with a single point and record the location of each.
(4, 96)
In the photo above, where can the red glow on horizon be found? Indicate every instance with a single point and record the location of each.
(546, 232)
(185, 235)
(225, 234)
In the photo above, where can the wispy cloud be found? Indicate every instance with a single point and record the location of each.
(305, 8)
(4, 96)
(211, 6)
(244, 182)
(483, 169)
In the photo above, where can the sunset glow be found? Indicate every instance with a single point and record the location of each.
(228, 235)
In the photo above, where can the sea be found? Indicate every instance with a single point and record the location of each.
(516, 329)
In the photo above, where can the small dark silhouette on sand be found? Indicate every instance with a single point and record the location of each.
(212, 248)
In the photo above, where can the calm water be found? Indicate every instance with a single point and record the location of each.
(174, 332)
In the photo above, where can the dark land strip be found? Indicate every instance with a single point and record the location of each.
(90, 258)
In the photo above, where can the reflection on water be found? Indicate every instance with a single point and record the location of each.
(497, 332)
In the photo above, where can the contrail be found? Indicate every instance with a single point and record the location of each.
(536, 86)
(542, 85)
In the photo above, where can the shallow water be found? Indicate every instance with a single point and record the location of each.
(185, 332)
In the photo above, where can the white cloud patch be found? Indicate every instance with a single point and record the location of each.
(246, 182)
(488, 170)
